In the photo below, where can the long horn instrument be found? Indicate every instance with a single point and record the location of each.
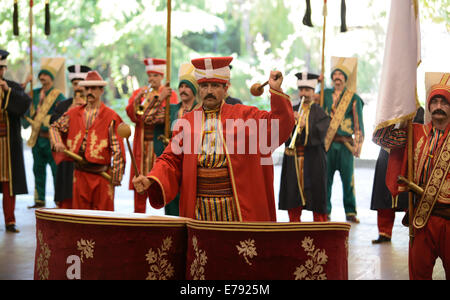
(257, 89)
(297, 128)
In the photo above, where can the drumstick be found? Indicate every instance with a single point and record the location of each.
(78, 158)
(124, 131)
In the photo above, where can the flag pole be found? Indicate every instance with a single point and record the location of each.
(31, 47)
(168, 67)
(322, 85)
(411, 179)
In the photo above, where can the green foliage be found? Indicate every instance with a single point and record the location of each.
(114, 36)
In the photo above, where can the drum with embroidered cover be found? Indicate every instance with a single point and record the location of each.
(82, 244)
(267, 251)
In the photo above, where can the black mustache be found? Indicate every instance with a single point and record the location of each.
(439, 112)
(183, 93)
(90, 95)
(211, 96)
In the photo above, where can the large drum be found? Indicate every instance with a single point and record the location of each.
(81, 244)
(267, 251)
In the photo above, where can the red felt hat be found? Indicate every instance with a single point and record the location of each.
(437, 84)
(93, 78)
(155, 65)
(212, 69)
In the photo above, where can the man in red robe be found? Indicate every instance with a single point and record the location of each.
(431, 169)
(219, 158)
(92, 134)
(145, 109)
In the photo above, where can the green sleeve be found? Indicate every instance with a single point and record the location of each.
(359, 110)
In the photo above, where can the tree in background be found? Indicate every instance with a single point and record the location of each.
(114, 36)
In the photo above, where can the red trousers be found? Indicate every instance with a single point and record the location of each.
(386, 218)
(296, 213)
(430, 242)
(92, 191)
(140, 202)
(9, 204)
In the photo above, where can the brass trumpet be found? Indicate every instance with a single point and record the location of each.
(297, 128)
(149, 93)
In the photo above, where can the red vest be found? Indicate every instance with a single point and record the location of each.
(98, 148)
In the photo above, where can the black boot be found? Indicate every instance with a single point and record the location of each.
(37, 204)
(12, 228)
(381, 239)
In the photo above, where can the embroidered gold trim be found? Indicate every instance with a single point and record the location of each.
(44, 256)
(72, 144)
(434, 186)
(199, 263)
(161, 186)
(336, 121)
(160, 268)
(162, 222)
(97, 147)
(313, 267)
(87, 249)
(396, 120)
(416, 158)
(38, 120)
(267, 226)
(247, 249)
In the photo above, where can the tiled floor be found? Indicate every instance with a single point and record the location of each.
(366, 261)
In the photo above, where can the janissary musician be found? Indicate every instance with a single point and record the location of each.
(215, 181)
(431, 165)
(188, 92)
(65, 166)
(345, 135)
(45, 100)
(14, 102)
(92, 134)
(144, 109)
(303, 183)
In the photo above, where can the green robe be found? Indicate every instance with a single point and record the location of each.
(339, 158)
(42, 153)
(172, 208)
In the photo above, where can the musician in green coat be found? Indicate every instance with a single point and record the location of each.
(345, 135)
(38, 116)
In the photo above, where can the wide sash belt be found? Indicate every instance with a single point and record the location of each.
(213, 182)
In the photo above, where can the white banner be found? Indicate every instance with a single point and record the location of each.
(397, 94)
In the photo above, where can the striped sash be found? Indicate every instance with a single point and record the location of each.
(215, 201)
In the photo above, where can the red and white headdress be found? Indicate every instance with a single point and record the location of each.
(155, 65)
(93, 78)
(212, 69)
(437, 84)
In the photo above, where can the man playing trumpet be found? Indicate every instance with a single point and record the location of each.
(14, 102)
(303, 174)
(91, 131)
(145, 109)
(216, 182)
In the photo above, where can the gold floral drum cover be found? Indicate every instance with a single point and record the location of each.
(267, 251)
(82, 244)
